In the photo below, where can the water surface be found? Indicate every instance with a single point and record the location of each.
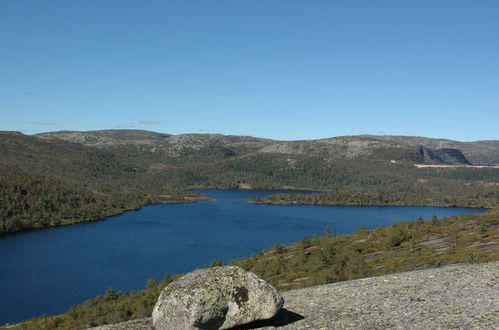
(45, 272)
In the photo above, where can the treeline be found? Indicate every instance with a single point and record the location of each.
(388, 196)
(317, 260)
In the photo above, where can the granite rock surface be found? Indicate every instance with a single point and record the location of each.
(464, 296)
(215, 298)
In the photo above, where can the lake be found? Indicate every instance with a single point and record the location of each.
(47, 271)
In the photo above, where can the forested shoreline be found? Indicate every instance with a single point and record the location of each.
(46, 183)
(362, 198)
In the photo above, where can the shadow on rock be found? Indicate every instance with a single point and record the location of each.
(282, 318)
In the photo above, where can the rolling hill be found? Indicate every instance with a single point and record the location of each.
(65, 177)
(403, 148)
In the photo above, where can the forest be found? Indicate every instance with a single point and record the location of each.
(48, 183)
(58, 183)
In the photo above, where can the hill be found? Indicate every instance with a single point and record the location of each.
(108, 138)
(59, 178)
(478, 152)
(51, 183)
(167, 148)
(414, 149)
(364, 147)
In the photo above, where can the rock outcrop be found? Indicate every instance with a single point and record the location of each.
(464, 296)
(215, 298)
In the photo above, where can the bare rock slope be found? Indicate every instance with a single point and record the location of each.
(477, 152)
(462, 296)
(406, 148)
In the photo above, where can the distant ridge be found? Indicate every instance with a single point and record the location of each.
(477, 152)
(413, 149)
(105, 138)
(59, 178)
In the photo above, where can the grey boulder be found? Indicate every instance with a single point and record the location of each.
(215, 298)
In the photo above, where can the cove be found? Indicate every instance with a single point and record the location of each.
(47, 271)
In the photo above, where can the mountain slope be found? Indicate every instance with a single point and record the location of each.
(478, 152)
(66, 177)
(169, 148)
(54, 182)
(107, 138)
(195, 147)
(363, 147)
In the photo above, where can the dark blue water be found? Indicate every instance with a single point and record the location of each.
(45, 272)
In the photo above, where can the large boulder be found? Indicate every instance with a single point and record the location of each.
(215, 298)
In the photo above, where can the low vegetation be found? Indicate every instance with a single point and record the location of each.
(316, 260)
(400, 247)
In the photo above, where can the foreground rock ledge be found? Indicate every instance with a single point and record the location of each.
(464, 296)
(215, 298)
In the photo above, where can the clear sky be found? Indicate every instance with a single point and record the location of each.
(277, 69)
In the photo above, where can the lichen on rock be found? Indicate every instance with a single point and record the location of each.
(215, 298)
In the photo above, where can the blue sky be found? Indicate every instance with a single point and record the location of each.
(278, 69)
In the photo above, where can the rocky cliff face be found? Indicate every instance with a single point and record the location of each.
(477, 152)
(444, 156)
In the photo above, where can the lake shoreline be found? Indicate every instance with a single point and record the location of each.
(327, 203)
(146, 243)
(202, 197)
(188, 199)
